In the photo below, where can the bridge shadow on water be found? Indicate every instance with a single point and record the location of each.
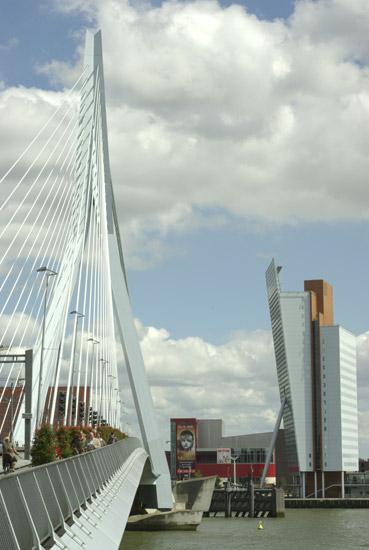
(299, 530)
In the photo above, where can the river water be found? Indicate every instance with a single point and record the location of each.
(299, 530)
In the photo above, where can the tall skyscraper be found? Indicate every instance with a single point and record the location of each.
(316, 369)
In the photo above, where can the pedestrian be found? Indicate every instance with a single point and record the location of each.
(82, 441)
(10, 455)
(112, 439)
(76, 443)
(96, 440)
(101, 439)
(90, 442)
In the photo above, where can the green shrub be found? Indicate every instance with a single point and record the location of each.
(105, 432)
(44, 446)
(64, 449)
(49, 445)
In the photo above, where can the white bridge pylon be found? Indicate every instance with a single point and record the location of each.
(86, 302)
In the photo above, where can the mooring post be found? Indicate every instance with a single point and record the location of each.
(252, 500)
(228, 501)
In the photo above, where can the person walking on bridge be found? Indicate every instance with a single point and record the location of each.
(10, 455)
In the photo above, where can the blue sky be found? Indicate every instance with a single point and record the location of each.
(221, 278)
(33, 33)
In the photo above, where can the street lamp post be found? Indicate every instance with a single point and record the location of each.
(102, 374)
(111, 397)
(94, 342)
(234, 460)
(118, 419)
(11, 411)
(48, 273)
(77, 317)
(114, 412)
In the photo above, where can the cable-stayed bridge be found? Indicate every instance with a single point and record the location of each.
(64, 294)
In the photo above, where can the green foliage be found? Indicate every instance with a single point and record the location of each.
(44, 446)
(64, 449)
(49, 445)
(105, 432)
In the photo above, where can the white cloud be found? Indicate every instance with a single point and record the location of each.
(191, 377)
(9, 45)
(211, 109)
(60, 71)
(236, 381)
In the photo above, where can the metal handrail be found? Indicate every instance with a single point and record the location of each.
(37, 502)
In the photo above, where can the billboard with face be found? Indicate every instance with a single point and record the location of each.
(186, 445)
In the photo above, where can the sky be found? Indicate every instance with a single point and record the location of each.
(237, 133)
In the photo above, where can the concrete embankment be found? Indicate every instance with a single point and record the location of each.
(326, 502)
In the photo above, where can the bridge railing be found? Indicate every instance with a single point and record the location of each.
(41, 501)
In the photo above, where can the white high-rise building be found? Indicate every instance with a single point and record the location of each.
(339, 401)
(316, 367)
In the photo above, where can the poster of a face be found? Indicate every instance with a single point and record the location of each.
(223, 456)
(186, 442)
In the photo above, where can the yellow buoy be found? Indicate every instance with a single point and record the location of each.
(260, 525)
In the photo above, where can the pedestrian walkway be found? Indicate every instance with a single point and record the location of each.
(21, 463)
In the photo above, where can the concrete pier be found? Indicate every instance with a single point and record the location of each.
(191, 499)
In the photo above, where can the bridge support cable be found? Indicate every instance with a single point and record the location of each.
(22, 340)
(62, 141)
(37, 136)
(83, 308)
(58, 209)
(48, 213)
(29, 255)
(42, 212)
